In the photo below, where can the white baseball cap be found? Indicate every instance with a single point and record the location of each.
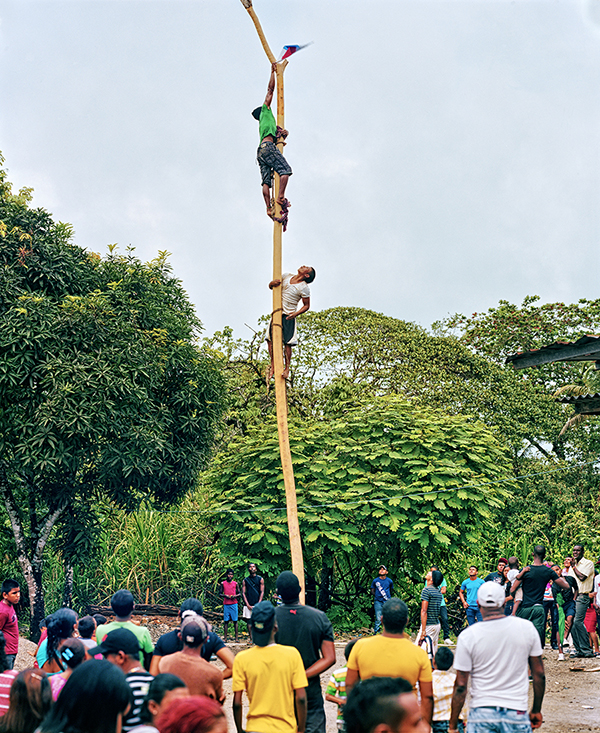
(491, 595)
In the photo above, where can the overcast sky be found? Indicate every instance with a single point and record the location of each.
(446, 154)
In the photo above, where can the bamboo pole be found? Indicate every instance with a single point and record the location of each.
(280, 385)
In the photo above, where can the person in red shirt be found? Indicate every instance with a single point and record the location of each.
(230, 592)
(11, 595)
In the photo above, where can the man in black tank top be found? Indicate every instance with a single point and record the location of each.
(253, 590)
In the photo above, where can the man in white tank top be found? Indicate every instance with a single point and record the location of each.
(294, 289)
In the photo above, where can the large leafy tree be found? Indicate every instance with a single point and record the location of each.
(384, 479)
(104, 393)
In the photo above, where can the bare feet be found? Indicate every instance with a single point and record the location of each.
(286, 373)
(270, 373)
(283, 202)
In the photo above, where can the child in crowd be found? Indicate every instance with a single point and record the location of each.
(336, 689)
(443, 686)
(87, 631)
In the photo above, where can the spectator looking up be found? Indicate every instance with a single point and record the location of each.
(470, 586)
(381, 588)
(431, 603)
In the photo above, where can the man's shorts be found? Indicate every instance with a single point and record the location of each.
(270, 159)
(230, 612)
(290, 332)
(569, 609)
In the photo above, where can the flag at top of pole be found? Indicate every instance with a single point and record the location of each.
(289, 50)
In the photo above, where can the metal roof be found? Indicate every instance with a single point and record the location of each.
(587, 348)
(585, 404)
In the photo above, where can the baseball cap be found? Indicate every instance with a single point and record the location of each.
(288, 586)
(262, 621)
(382, 566)
(194, 629)
(491, 595)
(119, 640)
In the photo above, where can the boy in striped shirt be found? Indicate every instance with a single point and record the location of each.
(336, 689)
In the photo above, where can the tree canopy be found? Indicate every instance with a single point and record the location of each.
(383, 479)
(104, 392)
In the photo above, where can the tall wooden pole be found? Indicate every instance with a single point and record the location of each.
(277, 336)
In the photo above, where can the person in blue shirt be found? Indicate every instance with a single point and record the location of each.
(381, 588)
(470, 586)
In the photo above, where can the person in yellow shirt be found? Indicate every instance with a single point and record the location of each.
(273, 677)
(392, 654)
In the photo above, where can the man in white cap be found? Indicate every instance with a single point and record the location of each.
(495, 654)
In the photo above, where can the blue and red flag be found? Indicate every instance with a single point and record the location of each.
(289, 50)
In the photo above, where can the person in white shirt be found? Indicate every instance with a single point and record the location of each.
(294, 289)
(582, 570)
(495, 655)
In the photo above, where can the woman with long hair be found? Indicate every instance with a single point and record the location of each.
(71, 653)
(195, 714)
(94, 700)
(30, 701)
(62, 625)
(163, 691)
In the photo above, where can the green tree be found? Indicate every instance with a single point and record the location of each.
(383, 479)
(103, 389)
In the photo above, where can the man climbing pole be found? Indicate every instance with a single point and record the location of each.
(294, 288)
(268, 156)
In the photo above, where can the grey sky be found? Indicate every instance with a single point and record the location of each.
(446, 154)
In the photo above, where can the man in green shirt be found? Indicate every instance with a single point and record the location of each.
(122, 604)
(268, 156)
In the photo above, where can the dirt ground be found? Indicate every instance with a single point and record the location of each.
(571, 703)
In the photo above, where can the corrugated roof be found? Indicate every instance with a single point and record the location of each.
(579, 398)
(586, 348)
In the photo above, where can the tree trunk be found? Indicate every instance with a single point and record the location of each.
(326, 580)
(31, 567)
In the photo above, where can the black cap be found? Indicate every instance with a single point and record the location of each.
(119, 640)
(288, 586)
(262, 621)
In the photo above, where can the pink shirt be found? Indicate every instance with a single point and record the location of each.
(10, 627)
(6, 680)
(230, 589)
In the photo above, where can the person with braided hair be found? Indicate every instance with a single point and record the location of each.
(62, 625)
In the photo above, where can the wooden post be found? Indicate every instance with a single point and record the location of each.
(280, 385)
